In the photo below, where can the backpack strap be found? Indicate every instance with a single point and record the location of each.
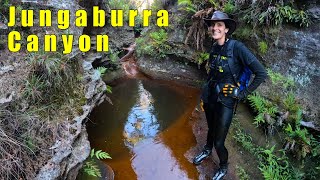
(243, 80)
(231, 62)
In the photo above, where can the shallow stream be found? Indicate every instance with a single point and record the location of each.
(147, 130)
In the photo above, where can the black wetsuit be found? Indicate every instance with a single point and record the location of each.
(220, 109)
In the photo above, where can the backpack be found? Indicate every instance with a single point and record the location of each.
(245, 74)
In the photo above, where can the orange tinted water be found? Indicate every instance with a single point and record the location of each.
(147, 131)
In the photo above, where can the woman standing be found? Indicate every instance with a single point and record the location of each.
(227, 62)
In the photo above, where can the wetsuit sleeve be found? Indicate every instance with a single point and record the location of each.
(260, 75)
(248, 59)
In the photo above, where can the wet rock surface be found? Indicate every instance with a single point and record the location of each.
(298, 56)
(168, 69)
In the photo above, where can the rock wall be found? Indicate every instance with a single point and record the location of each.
(73, 146)
(298, 56)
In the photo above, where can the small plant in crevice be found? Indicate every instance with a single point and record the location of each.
(280, 80)
(109, 89)
(101, 70)
(90, 166)
(263, 47)
(201, 58)
(114, 56)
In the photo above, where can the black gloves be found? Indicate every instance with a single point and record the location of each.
(234, 92)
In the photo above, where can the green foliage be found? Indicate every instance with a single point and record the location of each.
(101, 70)
(90, 167)
(244, 139)
(272, 166)
(202, 57)
(53, 85)
(280, 80)
(4, 7)
(187, 5)
(301, 137)
(290, 102)
(125, 5)
(243, 32)
(242, 174)
(113, 56)
(263, 107)
(99, 154)
(274, 15)
(315, 143)
(29, 141)
(229, 7)
(156, 45)
(34, 88)
(109, 89)
(263, 47)
(156, 5)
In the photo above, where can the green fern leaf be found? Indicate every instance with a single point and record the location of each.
(92, 153)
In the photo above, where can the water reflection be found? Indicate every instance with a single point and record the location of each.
(154, 160)
(142, 122)
(146, 131)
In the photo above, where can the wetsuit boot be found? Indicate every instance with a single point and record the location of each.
(206, 152)
(220, 173)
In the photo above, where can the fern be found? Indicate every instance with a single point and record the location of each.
(92, 169)
(263, 107)
(114, 56)
(259, 119)
(109, 89)
(102, 70)
(290, 101)
(90, 166)
(99, 154)
(157, 46)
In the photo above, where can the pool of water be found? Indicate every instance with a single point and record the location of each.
(147, 130)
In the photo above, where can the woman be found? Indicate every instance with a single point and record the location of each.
(223, 88)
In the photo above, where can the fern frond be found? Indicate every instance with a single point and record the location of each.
(102, 155)
(92, 169)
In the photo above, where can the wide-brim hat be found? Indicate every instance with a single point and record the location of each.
(221, 16)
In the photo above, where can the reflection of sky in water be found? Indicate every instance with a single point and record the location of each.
(141, 122)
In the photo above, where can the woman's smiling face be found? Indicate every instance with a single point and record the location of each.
(219, 30)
